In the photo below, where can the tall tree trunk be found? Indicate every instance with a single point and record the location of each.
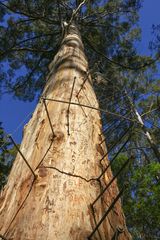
(55, 204)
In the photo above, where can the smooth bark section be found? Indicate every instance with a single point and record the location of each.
(56, 204)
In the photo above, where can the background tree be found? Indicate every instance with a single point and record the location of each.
(4, 168)
(7, 156)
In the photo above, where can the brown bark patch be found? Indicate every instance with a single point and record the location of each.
(51, 137)
(43, 121)
(64, 186)
(25, 184)
(99, 149)
(24, 187)
(38, 113)
(42, 172)
(59, 136)
(1, 199)
(73, 143)
(100, 138)
(38, 133)
(78, 233)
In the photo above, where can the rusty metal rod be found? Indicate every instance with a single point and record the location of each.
(114, 158)
(119, 140)
(91, 107)
(22, 156)
(112, 180)
(113, 123)
(110, 128)
(86, 78)
(45, 105)
(70, 99)
(95, 222)
(106, 213)
(20, 207)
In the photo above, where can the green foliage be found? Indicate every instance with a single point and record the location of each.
(31, 32)
(141, 199)
(142, 208)
(7, 156)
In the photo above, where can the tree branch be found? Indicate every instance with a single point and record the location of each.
(59, 12)
(150, 111)
(32, 38)
(117, 63)
(33, 17)
(105, 13)
(75, 12)
(27, 49)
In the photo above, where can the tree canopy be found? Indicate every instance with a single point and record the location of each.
(31, 33)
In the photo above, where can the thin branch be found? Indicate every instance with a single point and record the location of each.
(26, 20)
(23, 41)
(105, 13)
(75, 12)
(150, 111)
(42, 18)
(65, 5)
(59, 12)
(30, 74)
(35, 37)
(27, 49)
(30, 49)
(117, 63)
(13, 89)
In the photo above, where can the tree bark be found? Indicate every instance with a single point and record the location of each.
(55, 204)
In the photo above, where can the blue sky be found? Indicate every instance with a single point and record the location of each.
(14, 114)
(149, 15)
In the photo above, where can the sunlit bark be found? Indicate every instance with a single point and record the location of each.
(56, 204)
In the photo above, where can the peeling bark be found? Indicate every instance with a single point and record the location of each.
(56, 204)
